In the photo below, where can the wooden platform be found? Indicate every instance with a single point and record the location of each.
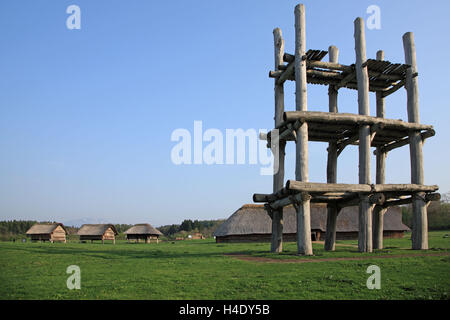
(343, 128)
(344, 195)
(384, 76)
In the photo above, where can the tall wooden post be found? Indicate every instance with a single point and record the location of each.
(278, 146)
(330, 236)
(420, 222)
(378, 212)
(301, 166)
(362, 77)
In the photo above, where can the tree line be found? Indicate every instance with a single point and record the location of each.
(16, 228)
(206, 227)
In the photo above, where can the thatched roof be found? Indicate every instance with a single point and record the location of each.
(95, 229)
(143, 228)
(253, 219)
(44, 228)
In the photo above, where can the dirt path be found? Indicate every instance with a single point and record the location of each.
(270, 260)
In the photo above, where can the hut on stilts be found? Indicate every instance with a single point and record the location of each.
(143, 231)
(98, 232)
(47, 232)
(340, 130)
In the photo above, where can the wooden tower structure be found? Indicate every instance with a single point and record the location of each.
(340, 130)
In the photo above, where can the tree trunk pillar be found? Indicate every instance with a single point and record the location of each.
(304, 243)
(420, 222)
(378, 212)
(278, 147)
(362, 77)
(332, 211)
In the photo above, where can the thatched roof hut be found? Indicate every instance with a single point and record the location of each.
(143, 231)
(47, 232)
(252, 223)
(98, 232)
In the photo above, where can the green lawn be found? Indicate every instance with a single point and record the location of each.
(198, 269)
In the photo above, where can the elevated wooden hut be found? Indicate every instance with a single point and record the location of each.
(143, 231)
(98, 232)
(252, 223)
(47, 232)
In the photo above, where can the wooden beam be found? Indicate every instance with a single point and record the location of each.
(394, 88)
(403, 142)
(287, 74)
(302, 186)
(349, 118)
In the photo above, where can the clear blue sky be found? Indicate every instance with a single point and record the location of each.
(86, 115)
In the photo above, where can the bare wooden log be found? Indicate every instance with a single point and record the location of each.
(275, 74)
(394, 88)
(319, 64)
(289, 57)
(378, 213)
(420, 225)
(428, 198)
(325, 74)
(328, 65)
(349, 118)
(349, 77)
(351, 140)
(287, 74)
(373, 199)
(383, 76)
(278, 147)
(362, 77)
(332, 210)
(326, 187)
(301, 168)
(403, 142)
(433, 197)
(411, 188)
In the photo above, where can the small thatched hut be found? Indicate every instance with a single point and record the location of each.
(252, 223)
(143, 231)
(47, 232)
(98, 232)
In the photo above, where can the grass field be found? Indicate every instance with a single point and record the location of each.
(199, 269)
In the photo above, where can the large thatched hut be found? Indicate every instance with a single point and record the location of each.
(252, 223)
(143, 231)
(98, 232)
(47, 232)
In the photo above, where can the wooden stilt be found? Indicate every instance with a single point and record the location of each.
(362, 77)
(278, 147)
(420, 222)
(301, 167)
(378, 213)
(332, 211)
